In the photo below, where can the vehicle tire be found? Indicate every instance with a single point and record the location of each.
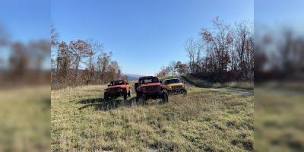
(129, 94)
(164, 97)
(125, 96)
(140, 98)
(184, 92)
(143, 99)
(105, 96)
(137, 96)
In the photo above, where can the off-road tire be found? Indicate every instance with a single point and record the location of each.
(184, 92)
(105, 96)
(143, 99)
(125, 96)
(164, 97)
(129, 94)
(137, 96)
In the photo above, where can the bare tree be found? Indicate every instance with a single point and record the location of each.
(193, 51)
(63, 62)
(219, 42)
(103, 62)
(113, 71)
(54, 37)
(244, 50)
(19, 61)
(181, 68)
(164, 72)
(79, 49)
(40, 50)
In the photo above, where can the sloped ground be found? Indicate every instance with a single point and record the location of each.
(25, 119)
(205, 120)
(279, 120)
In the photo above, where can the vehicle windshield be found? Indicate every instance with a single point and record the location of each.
(149, 80)
(170, 81)
(118, 82)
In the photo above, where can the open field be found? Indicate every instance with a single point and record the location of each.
(25, 119)
(279, 120)
(205, 120)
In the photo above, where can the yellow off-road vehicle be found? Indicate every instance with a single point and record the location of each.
(174, 86)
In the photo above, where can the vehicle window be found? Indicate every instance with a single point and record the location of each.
(120, 82)
(149, 80)
(171, 81)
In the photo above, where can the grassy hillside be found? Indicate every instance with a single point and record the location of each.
(25, 119)
(205, 120)
(279, 119)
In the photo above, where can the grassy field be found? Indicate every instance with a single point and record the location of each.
(205, 120)
(25, 119)
(279, 120)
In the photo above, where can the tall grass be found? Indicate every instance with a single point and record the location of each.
(204, 120)
(25, 119)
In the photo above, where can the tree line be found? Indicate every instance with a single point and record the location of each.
(81, 62)
(222, 53)
(279, 55)
(23, 62)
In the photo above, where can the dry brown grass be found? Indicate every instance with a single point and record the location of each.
(279, 120)
(203, 121)
(25, 119)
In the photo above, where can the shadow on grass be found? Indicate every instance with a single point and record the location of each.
(105, 105)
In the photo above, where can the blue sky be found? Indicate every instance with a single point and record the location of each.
(26, 20)
(279, 12)
(143, 35)
(135, 30)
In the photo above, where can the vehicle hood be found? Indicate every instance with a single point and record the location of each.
(175, 84)
(116, 86)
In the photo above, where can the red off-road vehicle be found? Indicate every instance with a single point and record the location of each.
(149, 87)
(116, 89)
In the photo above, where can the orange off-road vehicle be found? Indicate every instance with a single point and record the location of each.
(149, 87)
(117, 89)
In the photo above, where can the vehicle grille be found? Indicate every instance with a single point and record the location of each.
(151, 88)
(177, 87)
(114, 89)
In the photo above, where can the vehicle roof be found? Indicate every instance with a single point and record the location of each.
(170, 79)
(147, 77)
(117, 80)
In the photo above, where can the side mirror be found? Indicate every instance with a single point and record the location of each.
(109, 85)
(161, 81)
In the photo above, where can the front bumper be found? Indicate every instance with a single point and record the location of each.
(177, 91)
(114, 94)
